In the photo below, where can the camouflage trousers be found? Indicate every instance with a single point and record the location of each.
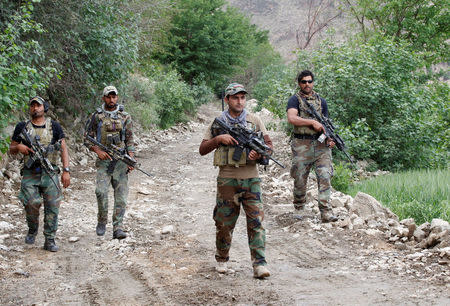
(34, 187)
(307, 153)
(118, 178)
(230, 194)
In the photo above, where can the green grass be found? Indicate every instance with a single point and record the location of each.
(419, 194)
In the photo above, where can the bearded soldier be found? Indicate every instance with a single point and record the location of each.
(238, 182)
(307, 149)
(111, 126)
(40, 176)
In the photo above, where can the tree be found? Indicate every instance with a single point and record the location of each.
(208, 41)
(320, 15)
(94, 44)
(423, 24)
(23, 69)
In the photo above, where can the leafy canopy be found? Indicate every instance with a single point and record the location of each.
(208, 41)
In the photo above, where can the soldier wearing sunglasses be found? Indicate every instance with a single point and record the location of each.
(308, 148)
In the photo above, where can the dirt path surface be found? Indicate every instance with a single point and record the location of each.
(168, 258)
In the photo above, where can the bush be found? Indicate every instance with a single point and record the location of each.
(23, 71)
(164, 99)
(138, 97)
(342, 178)
(384, 106)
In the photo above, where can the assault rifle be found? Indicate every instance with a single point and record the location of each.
(247, 139)
(329, 129)
(118, 154)
(40, 154)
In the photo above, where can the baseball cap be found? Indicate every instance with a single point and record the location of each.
(233, 89)
(37, 99)
(109, 89)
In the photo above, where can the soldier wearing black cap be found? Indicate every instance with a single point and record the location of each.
(37, 183)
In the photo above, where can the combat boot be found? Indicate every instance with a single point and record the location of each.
(328, 217)
(260, 272)
(31, 237)
(50, 245)
(119, 234)
(101, 229)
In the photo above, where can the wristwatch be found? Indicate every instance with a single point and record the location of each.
(66, 169)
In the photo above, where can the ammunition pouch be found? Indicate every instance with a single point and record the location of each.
(231, 156)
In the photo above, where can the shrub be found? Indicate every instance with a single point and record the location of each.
(342, 178)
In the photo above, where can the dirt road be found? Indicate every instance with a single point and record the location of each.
(168, 258)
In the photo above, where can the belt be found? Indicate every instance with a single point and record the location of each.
(311, 137)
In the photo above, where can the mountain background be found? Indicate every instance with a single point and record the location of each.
(287, 21)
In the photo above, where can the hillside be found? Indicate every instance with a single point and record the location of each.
(285, 18)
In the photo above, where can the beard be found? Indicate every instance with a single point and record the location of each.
(35, 115)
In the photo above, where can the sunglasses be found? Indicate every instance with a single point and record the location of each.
(306, 81)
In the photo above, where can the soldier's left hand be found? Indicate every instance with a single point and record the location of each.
(253, 155)
(65, 179)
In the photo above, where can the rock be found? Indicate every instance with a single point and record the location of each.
(344, 223)
(399, 231)
(419, 235)
(393, 223)
(426, 228)
(432, 240)
(372, 232)
(439, 225)
(74, 239)
(167, 229)
(358, 223)
(22, 273)
(368, 207)
(5, 226)
(410, 224)
(83, 161)
(336, 202)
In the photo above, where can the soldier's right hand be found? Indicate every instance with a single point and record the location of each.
(24, 149)
(227, 139)
(317, 126)
(102, 154)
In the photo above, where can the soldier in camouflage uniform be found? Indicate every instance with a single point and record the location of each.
(110, 125)
(307, 149)
(36, 183)
(238, 183)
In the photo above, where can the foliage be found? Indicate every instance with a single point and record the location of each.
(424, 25)
(342, 178)
(163, 99)
(275, 85)
(381, 100)
(420, 194)
(262, 56)
(210, 41)
(23, 70)
(94, 43)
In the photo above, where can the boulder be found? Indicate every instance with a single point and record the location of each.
(419, 235)
(439, 225)
(367, 207)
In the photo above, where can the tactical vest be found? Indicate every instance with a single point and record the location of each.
(315, 101)
(111, 127)
(46, 136)
(223, 154)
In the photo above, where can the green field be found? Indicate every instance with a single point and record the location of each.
(419, 194)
